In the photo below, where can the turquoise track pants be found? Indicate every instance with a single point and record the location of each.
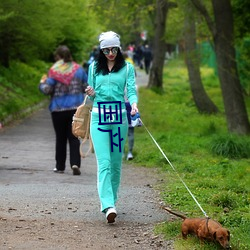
(109, 164)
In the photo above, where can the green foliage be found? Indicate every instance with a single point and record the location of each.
(175, 25)
(219, 183)
(19, 87)
(175, 28)
(241, 17)
(29, 33)
(243, 59)
(128, 18)
(231, 146)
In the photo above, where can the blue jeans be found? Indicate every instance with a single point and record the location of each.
(108, 163)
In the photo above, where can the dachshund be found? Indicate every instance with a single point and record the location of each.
(204, 229)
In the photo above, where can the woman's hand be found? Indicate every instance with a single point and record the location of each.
(90, 91)
(134, 109)
(43, 79)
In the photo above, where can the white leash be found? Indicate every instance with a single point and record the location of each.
(174, 169)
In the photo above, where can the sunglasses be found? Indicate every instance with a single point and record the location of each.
(106, 51)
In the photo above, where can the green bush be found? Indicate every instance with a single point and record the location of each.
(231, 146)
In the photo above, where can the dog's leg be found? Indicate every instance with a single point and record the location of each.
(184, 235)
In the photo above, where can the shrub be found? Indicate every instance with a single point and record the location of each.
(231, 146)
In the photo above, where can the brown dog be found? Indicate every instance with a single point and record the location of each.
(204, 229)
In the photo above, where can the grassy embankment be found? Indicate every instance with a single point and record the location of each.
(19, 92)
(214, 164)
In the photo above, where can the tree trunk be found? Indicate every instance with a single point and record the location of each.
(201, 99)
(159, 47)
(223, 38)
(235, 109)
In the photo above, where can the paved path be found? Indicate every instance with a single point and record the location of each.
(141, 78)
(30, 190)
(26, 163)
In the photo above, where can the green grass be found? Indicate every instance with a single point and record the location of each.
(214, 164)
(19, 88)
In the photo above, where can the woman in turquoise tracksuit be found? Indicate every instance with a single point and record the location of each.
(108, 77)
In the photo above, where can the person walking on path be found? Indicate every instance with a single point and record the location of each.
(65, 84)
(108, 78)
(147, 54)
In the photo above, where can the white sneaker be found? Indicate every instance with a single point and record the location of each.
(111, 214)
(58, 171)
(129, 156)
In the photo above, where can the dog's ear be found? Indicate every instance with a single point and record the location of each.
(214, 235)
(228, 237)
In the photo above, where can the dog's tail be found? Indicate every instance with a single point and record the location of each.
(175, 213)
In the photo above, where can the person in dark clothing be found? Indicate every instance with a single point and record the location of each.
(139, 56)
(147, 54)
(65, 83)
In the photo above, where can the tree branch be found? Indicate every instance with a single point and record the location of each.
(202, 9)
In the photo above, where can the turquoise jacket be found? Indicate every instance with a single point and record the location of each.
(111, 87)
